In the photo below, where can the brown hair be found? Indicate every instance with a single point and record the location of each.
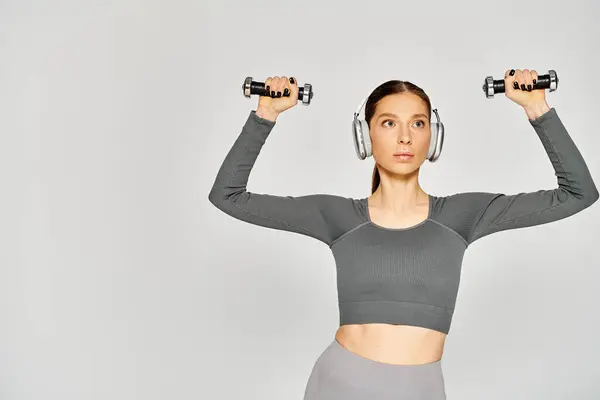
(386, 89)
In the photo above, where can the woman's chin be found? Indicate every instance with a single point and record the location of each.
(402, 168)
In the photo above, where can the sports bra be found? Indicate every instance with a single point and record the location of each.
(406, 276)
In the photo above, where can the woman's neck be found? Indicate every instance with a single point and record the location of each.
(398, 195)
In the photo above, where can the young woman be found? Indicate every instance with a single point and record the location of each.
(399, 251)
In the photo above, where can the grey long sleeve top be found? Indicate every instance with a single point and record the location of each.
(407, 276)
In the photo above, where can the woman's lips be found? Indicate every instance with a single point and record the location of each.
(403, 156)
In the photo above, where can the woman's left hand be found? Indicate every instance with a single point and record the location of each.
(532, 100)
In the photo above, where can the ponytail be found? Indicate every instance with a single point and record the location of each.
(376, 179)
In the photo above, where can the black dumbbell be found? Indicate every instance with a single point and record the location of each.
(548, 81)
(250, 87)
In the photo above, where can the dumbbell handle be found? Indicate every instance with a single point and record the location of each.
(547, 81)
(250, 87)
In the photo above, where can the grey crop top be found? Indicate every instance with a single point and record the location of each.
(407, 276)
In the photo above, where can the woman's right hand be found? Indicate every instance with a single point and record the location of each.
(269, 107)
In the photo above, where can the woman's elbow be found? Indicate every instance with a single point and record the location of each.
(586, 198)
(591, 196)
(217, 198)
(226, 200)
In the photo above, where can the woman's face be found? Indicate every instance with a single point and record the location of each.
(400, 124)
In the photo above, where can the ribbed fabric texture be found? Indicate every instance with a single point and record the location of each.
(403, 276)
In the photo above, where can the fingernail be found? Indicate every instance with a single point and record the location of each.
(286, 91)
(512, 72)
(268, 88)
(523, 86)
(529, 87)
(534, 81)
(292, 80)
(272, 93)
(515, 85)
(278, 94)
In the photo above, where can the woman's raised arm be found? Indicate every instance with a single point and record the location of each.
(313, 215)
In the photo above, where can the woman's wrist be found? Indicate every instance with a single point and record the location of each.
(267, 114)
(536, 110)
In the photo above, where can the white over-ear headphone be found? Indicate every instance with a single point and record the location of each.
(362, 139)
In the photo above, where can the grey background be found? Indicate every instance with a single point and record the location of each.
(119, 280)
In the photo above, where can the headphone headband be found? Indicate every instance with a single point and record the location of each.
(357, 112)
(362, 103)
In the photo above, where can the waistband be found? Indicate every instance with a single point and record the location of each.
(339, 363)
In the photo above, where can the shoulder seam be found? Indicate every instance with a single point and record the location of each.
(451, 230)
(343, 235)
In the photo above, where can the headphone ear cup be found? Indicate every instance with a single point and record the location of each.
(437, 141)
(357, 135)
(366, 137)
(433, 141)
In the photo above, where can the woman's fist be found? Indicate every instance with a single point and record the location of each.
(283, 94)
(518, 86)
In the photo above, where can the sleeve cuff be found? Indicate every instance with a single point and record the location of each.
(545, 116)
(261, 120)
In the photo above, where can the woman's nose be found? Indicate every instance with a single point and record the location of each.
(404, 138)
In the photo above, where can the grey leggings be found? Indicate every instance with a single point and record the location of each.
(340, 374)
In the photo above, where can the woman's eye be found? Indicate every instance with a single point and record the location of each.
(389, 120)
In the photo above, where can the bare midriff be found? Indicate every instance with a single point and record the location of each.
(392, 344)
